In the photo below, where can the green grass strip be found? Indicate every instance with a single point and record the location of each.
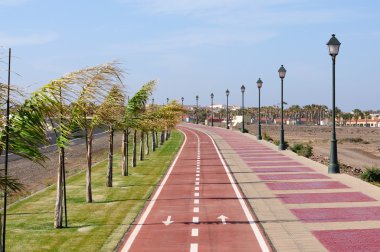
(97, 226)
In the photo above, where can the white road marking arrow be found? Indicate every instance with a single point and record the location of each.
(168, 221)
(223, 219)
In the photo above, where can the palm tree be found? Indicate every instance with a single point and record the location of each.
(367, 115)
(135, 109)
(96, 83)
(357, 114)
(111, 113)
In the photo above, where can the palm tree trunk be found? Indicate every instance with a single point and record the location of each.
(124, 164)
(147, 143)
(141, 156)
(153, 141)
(110, 158)
(59, 197)
(166, 135)
(156, 138)
(162, 137)
(134, 148)
(89, 166)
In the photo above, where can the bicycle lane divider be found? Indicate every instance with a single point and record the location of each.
(225, 221)
(164, 224)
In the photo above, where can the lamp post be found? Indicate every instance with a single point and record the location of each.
(6, 151)
(259, 85)
(182, 100)
(152, 101)
(333, 46)
(212, 109)
(167, 100)
(228, 116)
(197, 98)
(242, 89)
(282, 72)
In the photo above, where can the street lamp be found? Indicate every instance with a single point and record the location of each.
(227, 94)
(182, 100)
(259, 85)
(152, 101)
(197, 98)
(167, 100)
(242, 102)
(282, 72)
(212, 109)
(333, 46)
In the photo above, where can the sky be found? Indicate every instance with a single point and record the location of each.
(199, 47)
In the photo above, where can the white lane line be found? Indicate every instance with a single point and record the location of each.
(196, 194)
(194, 247)
(197, 179)
(196, 183)
(196, 201)
(247, 213)
(197, 175)
(198, 171)
(196, 188)
(141, 222)
(196, 210)
(194, 232)
(195, 219)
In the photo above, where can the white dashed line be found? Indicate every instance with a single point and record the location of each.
(196, 188)
(198, 171)
(194, 232)
(194, 247)
(195, 219)
(196, 201)
(197, 179)
(196, 209)
(197, 175)
(196, 194)
(196, 183)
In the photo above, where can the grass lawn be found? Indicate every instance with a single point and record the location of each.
(97, 226)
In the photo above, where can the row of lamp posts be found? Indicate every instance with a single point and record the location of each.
(333, 46)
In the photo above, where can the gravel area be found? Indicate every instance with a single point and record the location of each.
(35, 177)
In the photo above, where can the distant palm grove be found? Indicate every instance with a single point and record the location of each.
(309, 114)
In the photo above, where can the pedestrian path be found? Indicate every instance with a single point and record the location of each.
(196, 207)
(297, 203)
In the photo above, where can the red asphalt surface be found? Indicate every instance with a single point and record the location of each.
(193, 199)
(258, 157)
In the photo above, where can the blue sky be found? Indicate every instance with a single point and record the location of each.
(195, 47)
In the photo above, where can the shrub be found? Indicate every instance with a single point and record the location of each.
(371, 175)
(305, 150)
(352, 140)
(266, 137)
(277, 142)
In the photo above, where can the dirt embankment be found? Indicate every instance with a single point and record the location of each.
(358, 147)
(35, 177)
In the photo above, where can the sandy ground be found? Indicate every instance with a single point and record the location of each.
(35, 177)
(363, 153)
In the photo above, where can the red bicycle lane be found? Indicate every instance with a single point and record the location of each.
(196, 207)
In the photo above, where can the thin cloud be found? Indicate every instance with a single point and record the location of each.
(27, 40)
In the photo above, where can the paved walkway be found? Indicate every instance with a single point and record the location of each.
(196, 207)
(299, 206)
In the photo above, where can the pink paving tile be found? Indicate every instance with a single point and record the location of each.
(350, 240)
(283, 169)
(260, 164)
(337, 214)
(253, 159)
(305, 185)
(293, 176)
(299, 198)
